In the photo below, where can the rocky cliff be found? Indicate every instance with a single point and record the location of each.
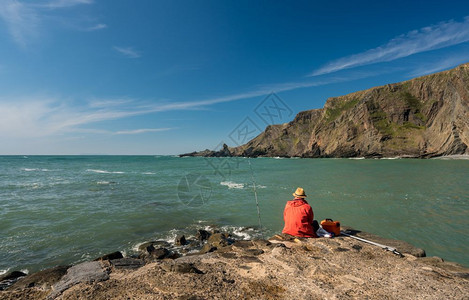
(423, 117)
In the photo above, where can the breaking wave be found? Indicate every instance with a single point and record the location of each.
(104, 171)
(232, 185)
(35, 170)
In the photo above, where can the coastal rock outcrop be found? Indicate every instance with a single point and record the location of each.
(278, 268)
(423, 117)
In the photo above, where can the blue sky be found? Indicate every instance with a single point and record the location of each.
(168, 77)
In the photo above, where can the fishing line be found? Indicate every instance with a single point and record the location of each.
(255, 195)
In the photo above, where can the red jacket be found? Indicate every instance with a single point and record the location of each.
(298, 216)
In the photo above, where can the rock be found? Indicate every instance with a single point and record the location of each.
(262, 243)
(92, 271)
(451, 267)
(180, 240)
(254, 252)
(113, 255)
(44, 279)
(283, 270)
(207, 248)
(10, 278)
(127, 263)
(185, 268)
(158, 253)
(401, 246)
(202, 235)
(156, 244)
(243, 244)
(219, 240)
(12, 275)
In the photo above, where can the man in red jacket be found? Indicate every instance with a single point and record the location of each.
(298, 216)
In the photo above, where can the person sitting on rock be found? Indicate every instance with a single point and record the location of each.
(298, 216)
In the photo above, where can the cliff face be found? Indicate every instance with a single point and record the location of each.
(423, 117)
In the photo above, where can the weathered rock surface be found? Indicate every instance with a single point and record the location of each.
(43, 279)
(127, 263)
(87, 272)
(423, 117)
(337, 268)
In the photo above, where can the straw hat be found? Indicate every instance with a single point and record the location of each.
(299, 193)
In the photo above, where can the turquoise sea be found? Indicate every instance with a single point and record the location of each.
(57, 210)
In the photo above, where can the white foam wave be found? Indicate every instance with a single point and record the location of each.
(448, 157)
(356, 158)
(277, 157)
(35, 170)
(33, 185)
(232, 185)
(104, 171)
(240, 232)
(171, 236)
(104, 182)
(136, 246)
(148, 173)
(4, 271)
(25, 271)
(260, 186)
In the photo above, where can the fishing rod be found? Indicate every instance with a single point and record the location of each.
(255, 195)
(393, 250)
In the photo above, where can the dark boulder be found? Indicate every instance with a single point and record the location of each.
(180, 240)
(156, 244)
(202, 235)
(113, 255)
(10, 278)
(158, 253)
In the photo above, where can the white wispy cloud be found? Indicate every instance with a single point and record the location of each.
(21, 20)
(62, 3)
(429, 38)
(144, 130)
(39, 116)
(24, 19)
(128, 51)
(103, 103)
(96, 27)
(440, 65)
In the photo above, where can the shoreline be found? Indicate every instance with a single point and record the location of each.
(250, 269)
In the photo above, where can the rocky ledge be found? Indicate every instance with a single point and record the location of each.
(278, 268)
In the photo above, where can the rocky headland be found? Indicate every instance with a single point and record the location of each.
(421, 118)
(213, 265)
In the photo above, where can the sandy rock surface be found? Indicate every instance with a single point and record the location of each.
(337, 268)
